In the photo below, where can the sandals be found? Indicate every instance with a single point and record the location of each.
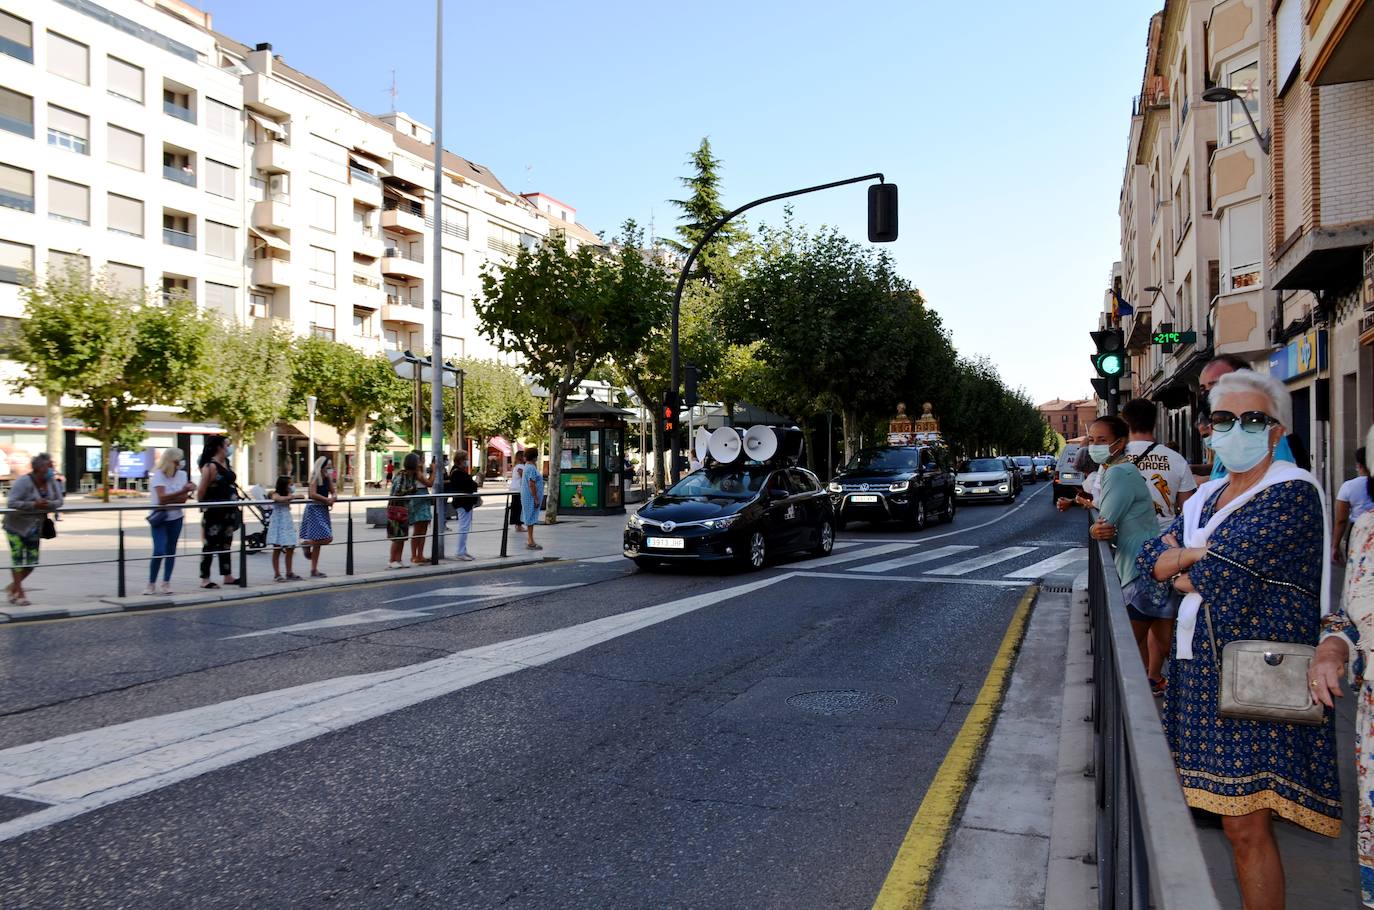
(318, 575)
(208, 585)
(533, 546)
(1157, 686)
(292, 576)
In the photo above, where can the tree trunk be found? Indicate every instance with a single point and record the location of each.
(240, 465)
(560, 401)
(850, 423)
(105, 472)
(359, 455)
(56, 438)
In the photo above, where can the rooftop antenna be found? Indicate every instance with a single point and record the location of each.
(529, 178)
(392, 91)
(653, 234)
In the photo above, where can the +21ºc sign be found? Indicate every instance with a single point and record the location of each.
(1174, 338)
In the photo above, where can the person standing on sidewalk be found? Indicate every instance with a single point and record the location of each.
(317, 531)
(168, 486)
(421, 512)
(461, 482)
(281, 530)
(531, 496)
(32, 497)
(217, 525)
(403, 486)
(1354, 499)
(517, 484)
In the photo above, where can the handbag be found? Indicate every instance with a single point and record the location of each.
(398, 513)
(49, 529)
(1265, 680)
(159, 517)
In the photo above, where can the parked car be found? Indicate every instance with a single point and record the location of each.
(985, 478)
(912, 484)
(1027, 466)
(1068, 480)
(740, 513)
(1017, 480)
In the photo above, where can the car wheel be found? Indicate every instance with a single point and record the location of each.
(918, 515)
(825, 539)
(756, 553)
(948, 515)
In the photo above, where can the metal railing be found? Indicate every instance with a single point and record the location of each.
(1148, 852)
(393, 252)
(397, 205)
(255, 542)
(173, 237)
(68, 141)
(179, 112)
(172, 172)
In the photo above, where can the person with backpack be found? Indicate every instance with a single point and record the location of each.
(461, 482)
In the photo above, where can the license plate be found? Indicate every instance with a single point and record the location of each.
(863, 498)
(981, 490)
(667, 543)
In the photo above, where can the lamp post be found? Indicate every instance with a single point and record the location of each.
(882, 228)
(310, 401)
(1219, 93)
(436, 343)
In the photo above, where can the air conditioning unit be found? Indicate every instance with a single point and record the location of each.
(277, 184)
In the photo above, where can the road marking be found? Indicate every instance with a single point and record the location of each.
(918, 579)
(85, 771)
(982, 562)
(882, 550)
(614, 557)
(909, 878)
(914, 559)
(1054, 563)
(333, 622)
(494, 590)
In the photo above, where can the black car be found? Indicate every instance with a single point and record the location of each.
(1018, 478)
(739, 513)
(912, 484)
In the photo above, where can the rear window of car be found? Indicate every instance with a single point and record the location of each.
(1023, 461)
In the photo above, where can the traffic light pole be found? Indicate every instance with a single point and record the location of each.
(674, 365)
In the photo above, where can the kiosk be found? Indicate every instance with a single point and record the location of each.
(592, 464)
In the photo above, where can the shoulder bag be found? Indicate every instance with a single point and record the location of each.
(1265, 680)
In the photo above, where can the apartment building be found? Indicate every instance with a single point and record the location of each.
(180, 159)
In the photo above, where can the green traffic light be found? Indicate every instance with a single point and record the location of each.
(1111, 364)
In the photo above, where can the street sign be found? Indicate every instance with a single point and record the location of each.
(1174, 338)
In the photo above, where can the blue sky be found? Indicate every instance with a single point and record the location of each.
(1004, 123)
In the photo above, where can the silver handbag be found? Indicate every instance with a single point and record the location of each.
(1265, 680)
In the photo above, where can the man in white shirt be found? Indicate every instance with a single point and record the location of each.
(1166, 472)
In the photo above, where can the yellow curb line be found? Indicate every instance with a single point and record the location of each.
(918, 857)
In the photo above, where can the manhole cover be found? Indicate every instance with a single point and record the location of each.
(842, 702)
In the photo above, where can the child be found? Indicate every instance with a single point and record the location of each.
(281, 530)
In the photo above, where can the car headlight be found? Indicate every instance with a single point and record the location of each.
(1004, 488)
(634, 521)
(899, 486)
(720, 524)
(835, 487)
(958, 488)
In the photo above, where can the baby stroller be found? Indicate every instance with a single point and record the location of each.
(256, 540)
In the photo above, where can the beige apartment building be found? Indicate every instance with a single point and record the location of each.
(137, 141)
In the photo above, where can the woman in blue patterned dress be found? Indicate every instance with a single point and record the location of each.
(1250, 548)
(421, 513)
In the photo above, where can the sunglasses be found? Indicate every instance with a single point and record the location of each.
(1250, 421)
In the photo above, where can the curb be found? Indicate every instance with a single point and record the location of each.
(143, 604)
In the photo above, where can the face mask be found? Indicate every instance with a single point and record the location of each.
(1207, 443)
(228, 451)
(1238, 450)
(1100, 454)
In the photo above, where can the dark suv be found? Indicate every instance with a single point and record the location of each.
(911, 484)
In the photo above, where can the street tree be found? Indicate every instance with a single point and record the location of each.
(496, 402)
(248, 377)
(115, 353)
(566, 311)
(702, 208)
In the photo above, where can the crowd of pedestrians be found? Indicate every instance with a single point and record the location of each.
(1243, 552)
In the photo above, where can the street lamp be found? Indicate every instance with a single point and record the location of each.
(1156, 290)
(310, 402)
(1219, 93)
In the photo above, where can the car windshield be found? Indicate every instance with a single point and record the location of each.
(719, 484)
(885, 460)
(1023, 461)
(982, 465)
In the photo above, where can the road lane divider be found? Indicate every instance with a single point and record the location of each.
(908, 881)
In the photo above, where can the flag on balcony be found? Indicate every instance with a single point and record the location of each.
(1119, 305)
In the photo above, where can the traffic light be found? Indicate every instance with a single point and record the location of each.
(689, 386)
(669, 414)
(882, 213)
(1110, 359)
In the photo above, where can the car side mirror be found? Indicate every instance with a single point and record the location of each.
(777, 494)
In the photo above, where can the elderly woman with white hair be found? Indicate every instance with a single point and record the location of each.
(1249, 554)
(1348, 637)
(32, 497)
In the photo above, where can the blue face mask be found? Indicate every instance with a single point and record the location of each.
(1238, 450)
(1100, 454)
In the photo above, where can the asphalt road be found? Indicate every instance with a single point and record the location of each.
(563, 735)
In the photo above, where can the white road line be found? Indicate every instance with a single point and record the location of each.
(493, 590)
(882, 550)
(914, 559)
(85, 771)
(981, 562)
(1046, 566)
(918, 579)
(333, 622)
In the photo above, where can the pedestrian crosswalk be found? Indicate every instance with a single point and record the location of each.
(959, 560)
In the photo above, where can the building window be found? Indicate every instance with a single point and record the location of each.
(1244, 79)
(125, 279)
(176, 288)
(452, 266)
(176, 102)
(221, 179)
(16, 37)
(126, 215)
(16, 188)
(364, 324)
(222, 298)
(176, 230)
(16, 112)
(503, 239)
(1288, 43)
(321, 267)
(322, 320)
(69, 201)
(223, 119)
(259, 306)
(219, 240)
(69, 130)
(455, 222)
(16, 263)
(125, 147)
(453, 347)
(1242, 246)
(328, 159)
(323, 211)
(452, 304)
(124, 79)
(69, 59)
(69, 265)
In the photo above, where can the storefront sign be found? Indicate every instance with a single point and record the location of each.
(1301, 356)
(132, 465)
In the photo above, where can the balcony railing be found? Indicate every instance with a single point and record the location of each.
(367, 281)
(396, 205)
(180, 175)
(14, 125)
(452, 228)
(393, 300)
(16, 201)
(397, 253)
(502, 246)
(68, 141)
(179, 112)
(364, 176)
(11, 48)
(173, 237)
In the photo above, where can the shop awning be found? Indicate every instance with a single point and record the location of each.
(271, 240)
(405, 194)
(268, 124)
(499, 444)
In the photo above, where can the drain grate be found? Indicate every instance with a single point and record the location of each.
(1056, 589)
(842, 702)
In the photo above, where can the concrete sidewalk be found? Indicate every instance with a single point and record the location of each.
(78, 570)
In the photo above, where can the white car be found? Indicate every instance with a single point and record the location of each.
(984, 478)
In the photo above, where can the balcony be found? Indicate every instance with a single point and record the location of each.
(273, 214)
(15, 125)
(370, 245)
(400, 264)
(263, 93)
(406, 217)
(20, 201)
(414, 174)
(367, 177)
(182, 175)
(403, 309)
(67, 141)
(367, 194)
(172, 109)
(502, 246)
(272, 273)
(272, 157)
(173, 237)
